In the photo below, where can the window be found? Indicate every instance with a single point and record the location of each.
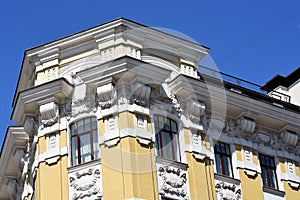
(223, 159)
(166, 138)
(84, 139)
(268, 171)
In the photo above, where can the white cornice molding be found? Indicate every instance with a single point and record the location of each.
(185, 86)
(28, 100)
(15, 139)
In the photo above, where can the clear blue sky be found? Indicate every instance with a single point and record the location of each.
(253, 40)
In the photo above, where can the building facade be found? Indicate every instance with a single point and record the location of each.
(124, 111)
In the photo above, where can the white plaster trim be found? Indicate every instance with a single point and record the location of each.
(112, 138)
(248, 167)
(49, 155)
(293, 179)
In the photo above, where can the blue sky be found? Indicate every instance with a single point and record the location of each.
(253, 40)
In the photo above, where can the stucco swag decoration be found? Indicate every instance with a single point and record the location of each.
(85, 184)
(173, 182)
(226, 191)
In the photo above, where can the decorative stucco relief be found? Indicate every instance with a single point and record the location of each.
(106, 95)
(141, 95)
(246, 128)
(228, 191)
(172, 182)
(49, 113)
(85, 184)
(161, 101)
(83, 99)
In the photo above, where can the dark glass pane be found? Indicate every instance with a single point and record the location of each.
(262, 160)
(272, 178)
(73, 129)
(173, 126)
(264, 177)
(227, 147)
(218, 164)
(272, 163)
(74, 151)
(167, 125)
(217, 148)
(227, 166)
(222, 148)
(268, 161)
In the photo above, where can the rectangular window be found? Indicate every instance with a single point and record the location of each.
(223, 159)
(166, 133)
(84, 140)
(268, 171)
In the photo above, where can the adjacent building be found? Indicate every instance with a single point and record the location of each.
(124, 111)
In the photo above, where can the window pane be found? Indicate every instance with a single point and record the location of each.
(264, 176)
(161, 122)
(173, 126)
(87, 124)
(218, 164)
(95, 144)
(74, 151)
(217, 148)
(227, 166)
(73, 129)
(166, 145)
(175, 147)
(85, 148)
(94, 123)
(262, 160)
(272, 178)
(80, 126)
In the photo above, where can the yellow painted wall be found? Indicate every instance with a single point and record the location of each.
(251, 187)
(282, 165)
(291, 193)
(128, 169)
(201, 179)
(238, 152)
(52, 181)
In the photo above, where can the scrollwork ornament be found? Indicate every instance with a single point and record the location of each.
(86, 184)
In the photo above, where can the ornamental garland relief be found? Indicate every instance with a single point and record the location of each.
(85, 184)
(172, 182)
(227, 191)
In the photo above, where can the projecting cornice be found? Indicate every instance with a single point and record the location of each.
(28, 101)
(125, 69)
(122, 32)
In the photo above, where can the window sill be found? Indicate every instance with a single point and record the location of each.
(227, 179)
(274, 191)
(84, 165)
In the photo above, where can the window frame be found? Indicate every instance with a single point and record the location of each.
(168, 131)
(78, 160)
(226, 154)
(265, 167)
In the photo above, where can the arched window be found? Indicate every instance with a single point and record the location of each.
(166, 133)
(84, 141)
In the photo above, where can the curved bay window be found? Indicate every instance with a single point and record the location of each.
(84, 141)
(166, 133)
